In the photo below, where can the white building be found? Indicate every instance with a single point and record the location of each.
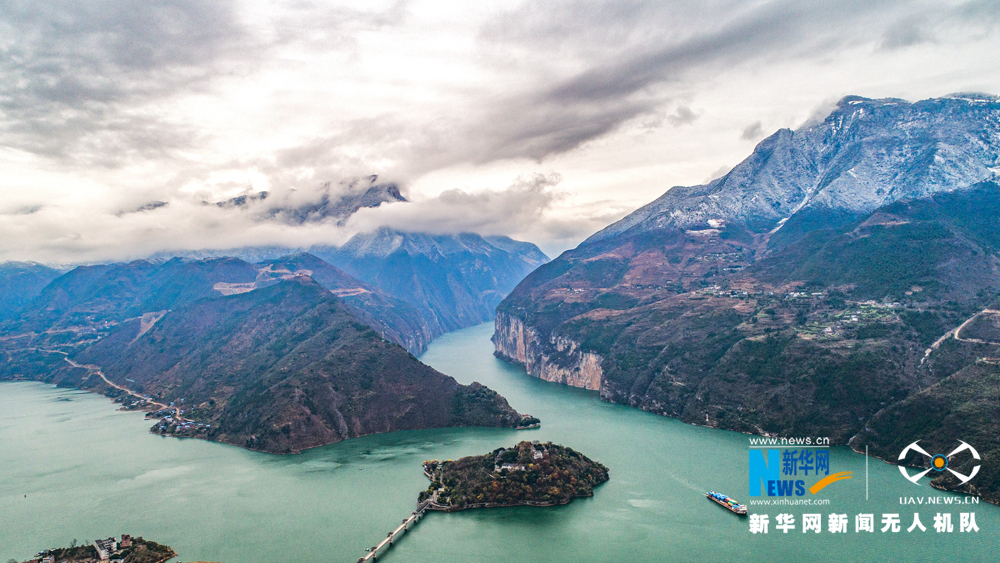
(105, 548)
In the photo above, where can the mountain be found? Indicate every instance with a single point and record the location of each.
(962, 406)
(332, 204)
(809, 292)
(864, 155)
(249, 254)
(394, 319)
(342, 202)
(284, 368)
(20, 282)
(455, 281)
(451, 281)
(91, 296)
(84, 303)
(263, 357)
(87, 303)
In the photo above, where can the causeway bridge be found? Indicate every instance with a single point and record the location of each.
(415, 516)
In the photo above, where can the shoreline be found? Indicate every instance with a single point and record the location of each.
(532, 427)
(534, 504)
(848, 444)
(97, 391)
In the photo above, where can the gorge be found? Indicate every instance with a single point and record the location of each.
(802, 293)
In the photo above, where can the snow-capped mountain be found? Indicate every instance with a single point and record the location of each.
(841, 281)
(865, 154)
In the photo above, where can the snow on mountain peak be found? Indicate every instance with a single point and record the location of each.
(865, 154)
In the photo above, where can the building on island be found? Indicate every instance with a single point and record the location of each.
(105, 548)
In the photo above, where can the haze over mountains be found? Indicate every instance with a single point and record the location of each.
(20, 282)
(452, 280)
(810, 291)
(285, 354)
(334, 202)
(433, 283)
(455, 281)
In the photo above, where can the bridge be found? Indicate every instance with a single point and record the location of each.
(375, 551)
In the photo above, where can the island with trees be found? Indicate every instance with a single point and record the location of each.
(529, 474)
(125, 550)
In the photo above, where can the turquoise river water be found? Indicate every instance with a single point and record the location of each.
(71, 466)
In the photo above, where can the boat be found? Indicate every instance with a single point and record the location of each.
(727, 503)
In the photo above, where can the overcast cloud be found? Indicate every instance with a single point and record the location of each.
(543, 121)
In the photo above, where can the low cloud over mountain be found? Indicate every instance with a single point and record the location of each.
(117, 119)
(72, 231)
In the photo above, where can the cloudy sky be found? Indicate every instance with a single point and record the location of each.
(544, 121)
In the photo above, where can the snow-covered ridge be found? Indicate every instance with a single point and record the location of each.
(865, 154)
(384, 241)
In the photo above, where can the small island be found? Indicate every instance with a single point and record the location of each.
(528, 422)
(529, 474)
(126, 550)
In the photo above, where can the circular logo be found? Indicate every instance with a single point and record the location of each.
(939, 462)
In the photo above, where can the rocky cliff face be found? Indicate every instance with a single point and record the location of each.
(817, 285)
(550, 357)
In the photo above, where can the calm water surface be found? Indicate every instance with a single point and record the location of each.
(71, 466)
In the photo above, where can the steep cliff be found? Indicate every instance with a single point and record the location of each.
(819, 283)
(558, 358)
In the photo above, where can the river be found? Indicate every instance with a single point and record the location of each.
(71, 466)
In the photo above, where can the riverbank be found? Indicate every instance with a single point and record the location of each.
(126, 550)
(87, 468)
